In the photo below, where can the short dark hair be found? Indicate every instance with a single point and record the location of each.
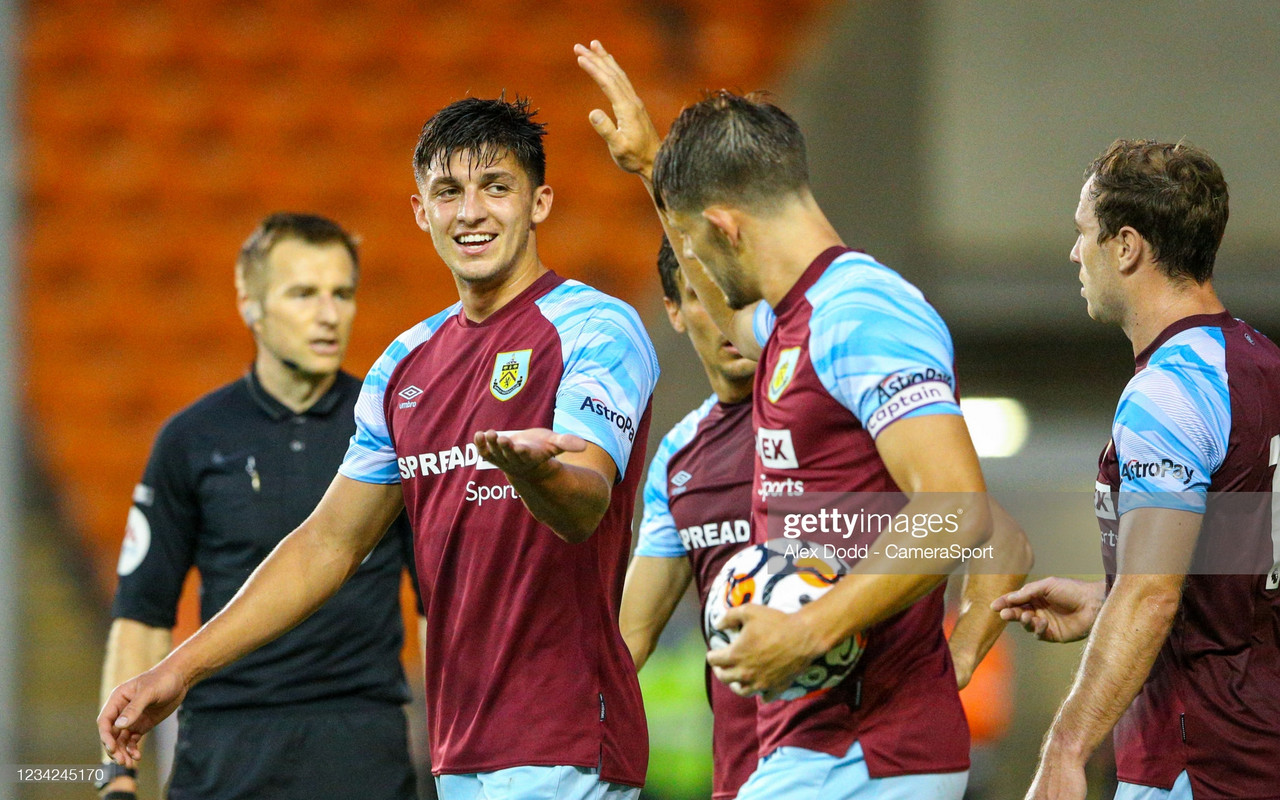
(1173, 194)
(310, 228)
(486, 129)
(668, 267)
(730, 148)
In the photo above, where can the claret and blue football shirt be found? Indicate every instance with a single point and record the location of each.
(524, 661)
(1198, 429)
(697, 505)
(849, 351)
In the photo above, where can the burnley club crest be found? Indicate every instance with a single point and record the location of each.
(510, 373)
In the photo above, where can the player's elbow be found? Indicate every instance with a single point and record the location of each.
(575, 533)
(1155, 597)
(973, 520)
(1015, 547)
(640, 647)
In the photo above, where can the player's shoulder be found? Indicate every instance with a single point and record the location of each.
(570, 304)
(684, 431)
(1191, 364)
(857, 280)
(406, 343)
(409, 340)
(857, 290)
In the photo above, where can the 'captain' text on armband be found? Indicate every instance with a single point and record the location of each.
(862, 522)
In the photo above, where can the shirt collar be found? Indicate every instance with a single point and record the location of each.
(1221, 319)
(278, 411)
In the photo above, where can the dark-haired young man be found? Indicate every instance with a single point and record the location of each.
(854, 393)
(228, 478)
(511, 426)
(1182, 659)
(697, 513)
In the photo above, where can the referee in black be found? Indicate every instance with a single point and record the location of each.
(319, 712)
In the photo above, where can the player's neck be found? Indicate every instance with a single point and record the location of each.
(293, 388)
(729, 390)
(481, 299)
(788, 242)
(1156, 310)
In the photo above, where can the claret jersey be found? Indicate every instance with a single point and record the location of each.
(850, 350)
(524, 661)
(697, 505)
(1198, 429)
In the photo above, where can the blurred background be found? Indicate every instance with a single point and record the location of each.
(140, 142)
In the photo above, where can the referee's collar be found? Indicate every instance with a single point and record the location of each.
(278, 411)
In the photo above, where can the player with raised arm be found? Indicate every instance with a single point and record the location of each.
(1184, 666)
(511, 426)
(854, 393)
(697, 513)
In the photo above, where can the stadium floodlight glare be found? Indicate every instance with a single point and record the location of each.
(998, 425)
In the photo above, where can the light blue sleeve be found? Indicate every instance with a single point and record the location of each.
(1173, 424)
(659, 536)
(610, 368)
(878, 346)
(763, 322)
(370, 457)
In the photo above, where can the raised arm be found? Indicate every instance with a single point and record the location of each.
(633, 143)
(303, 571)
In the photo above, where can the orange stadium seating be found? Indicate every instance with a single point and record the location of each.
(157, 132)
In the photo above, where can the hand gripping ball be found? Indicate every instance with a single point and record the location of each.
(784, 574)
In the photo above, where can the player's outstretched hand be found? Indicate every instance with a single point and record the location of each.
(633, 140)
(527, 453)
(771, 648)
(135, 707)
(1054, 609)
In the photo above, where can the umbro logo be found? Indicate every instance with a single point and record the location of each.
(679, 480)
(408, 393)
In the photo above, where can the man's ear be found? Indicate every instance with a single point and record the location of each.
(673, 315)
(250, 309)
(726, 221)
(250, 312)
(542, 197)
(1130, 249)
(419, 212)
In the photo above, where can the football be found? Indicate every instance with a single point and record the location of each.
(785, 575)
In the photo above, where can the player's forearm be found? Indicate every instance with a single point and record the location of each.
(569, 499)
(132, 647)
(641, 641)
(303, 571)
(978, 627)
(650, 593)
(880, 586)
(1133, 624)
(737, 326)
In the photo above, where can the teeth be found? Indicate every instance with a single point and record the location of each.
(475, 238)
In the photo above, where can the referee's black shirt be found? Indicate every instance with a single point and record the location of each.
(228, 478)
